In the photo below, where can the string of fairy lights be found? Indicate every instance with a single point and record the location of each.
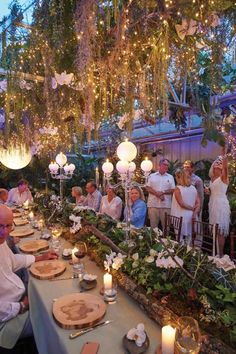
(132, 68)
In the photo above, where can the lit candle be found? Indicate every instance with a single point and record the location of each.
(107, 281)
(31, 216)
(168, 339)
(74, 258)
(97, 176)
(26, 204)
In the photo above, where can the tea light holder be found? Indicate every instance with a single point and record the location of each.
(110, 295)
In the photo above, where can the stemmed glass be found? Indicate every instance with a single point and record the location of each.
(56, 244)
(79, 254)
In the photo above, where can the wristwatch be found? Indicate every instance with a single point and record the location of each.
(23, 307)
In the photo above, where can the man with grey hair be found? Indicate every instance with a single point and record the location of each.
(160, 187)
(94, 197)
(14, 304)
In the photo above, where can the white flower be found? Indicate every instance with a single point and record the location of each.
(149, 259)
(117, 263)
(224, 262)
(135, 256)
(135, 264)
(114, 261)
(158, 232)
(153, 253)
(76, 223)
(140, 237)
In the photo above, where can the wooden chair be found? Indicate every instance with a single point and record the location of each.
(172, 226)
(232, 246)
(202, 236)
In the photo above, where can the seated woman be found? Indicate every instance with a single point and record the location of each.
(138, 207)
(185, 203)
(111, 204)
(77, 193)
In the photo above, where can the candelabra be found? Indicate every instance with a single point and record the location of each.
(61, 170)
(127, 152)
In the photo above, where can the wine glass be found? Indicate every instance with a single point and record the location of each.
(79, 254)
(81, 250)
(188, 337)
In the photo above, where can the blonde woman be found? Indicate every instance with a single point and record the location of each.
(77, 193)
(111, 204)
(219, 209)
(185, 203)
(138, 207)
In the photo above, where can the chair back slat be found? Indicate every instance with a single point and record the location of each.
(202, 236)
(172, 227)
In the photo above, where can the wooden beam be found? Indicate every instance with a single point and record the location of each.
(21, 75)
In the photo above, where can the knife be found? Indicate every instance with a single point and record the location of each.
(75, 276)
(86, 330)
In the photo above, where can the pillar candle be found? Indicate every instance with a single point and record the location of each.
(168, 339)
(31, 216)
(107, 281)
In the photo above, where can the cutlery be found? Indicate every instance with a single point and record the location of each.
(74, 276)
(86, 330)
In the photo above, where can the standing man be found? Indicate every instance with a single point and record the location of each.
(94, 197)
(160, 187)
(14, 305)
(20, 194)
(196, 182)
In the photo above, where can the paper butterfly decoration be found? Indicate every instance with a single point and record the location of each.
(25, 85)
(187, 28)
(62, 79)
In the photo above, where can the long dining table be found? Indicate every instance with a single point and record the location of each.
(50, 338)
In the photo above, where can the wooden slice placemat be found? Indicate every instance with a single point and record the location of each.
(47, 269)
(78, 310)
(22, 232)
(17, 214)
(20, 222)
(34, 246)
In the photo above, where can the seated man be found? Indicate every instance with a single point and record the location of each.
(94, 197)
(14, 305)
(3, 196)
(20, 194)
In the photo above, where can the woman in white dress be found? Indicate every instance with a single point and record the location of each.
(111, 204)
(219, 209)
(185, 203)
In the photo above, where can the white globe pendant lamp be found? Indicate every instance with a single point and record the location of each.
(15, 157)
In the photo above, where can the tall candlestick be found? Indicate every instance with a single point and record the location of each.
(97, 176)
(74, 258)
(107, 281)
(168, 339)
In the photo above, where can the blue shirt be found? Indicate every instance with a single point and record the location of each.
(138, 216)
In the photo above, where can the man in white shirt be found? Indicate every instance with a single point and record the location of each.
(20, 194)
(14, 304)
(160, 187)
(94, 197)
